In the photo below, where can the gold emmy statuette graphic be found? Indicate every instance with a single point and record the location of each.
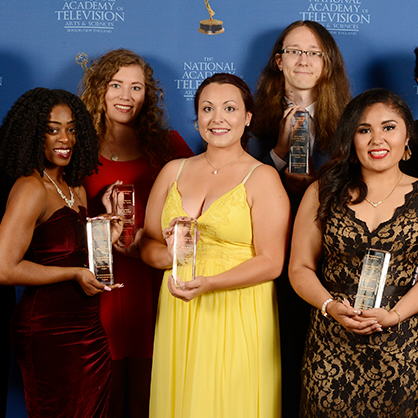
(82, 59)
(211, 26)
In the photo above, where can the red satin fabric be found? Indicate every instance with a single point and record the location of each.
(57, 336)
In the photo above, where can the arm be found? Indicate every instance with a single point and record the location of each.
(304, 257)
(26, 206)
(270, 215)
(153, 247)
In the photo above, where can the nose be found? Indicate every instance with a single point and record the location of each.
(303, 57)
(218, 117)
(125, 93)
(377, 138)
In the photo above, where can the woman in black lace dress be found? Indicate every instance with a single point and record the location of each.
(360, 363)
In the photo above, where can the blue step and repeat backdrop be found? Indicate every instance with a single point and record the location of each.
(40, 39)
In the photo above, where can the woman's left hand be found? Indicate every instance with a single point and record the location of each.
(133, 249)
(186, 291)
(385, 318)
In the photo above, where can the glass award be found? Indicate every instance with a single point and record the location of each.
(124, 205)
(372, 279)
(299, 143)
(184, 250)
(99, 245)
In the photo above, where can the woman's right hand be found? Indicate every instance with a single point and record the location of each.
(350, 318)
(91, 286)
(107, 198)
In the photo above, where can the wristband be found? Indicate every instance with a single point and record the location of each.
(324, 306)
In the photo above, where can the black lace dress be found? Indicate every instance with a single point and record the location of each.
(348, 375)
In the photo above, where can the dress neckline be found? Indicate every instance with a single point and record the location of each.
(396, 212)
(82, 213)
(174, 187)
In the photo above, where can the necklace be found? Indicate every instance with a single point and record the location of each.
(69, 202)
(215, 170)
(376, 204)
(115, 156)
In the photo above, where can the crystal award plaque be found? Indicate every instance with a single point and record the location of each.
(184, 250)
(124, 205)
(299, 143)
(372, 279)
(99, 244)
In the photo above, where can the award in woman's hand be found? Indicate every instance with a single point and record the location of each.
(184, 250)
(99, 244)
(299, 143)
(372, 279)
(124, 205)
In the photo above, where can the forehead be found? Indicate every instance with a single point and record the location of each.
(382, 111)
(131, 72)
(221, 92)
(61, 112)
(301, 36)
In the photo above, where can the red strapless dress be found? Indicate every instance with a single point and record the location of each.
(57, 336)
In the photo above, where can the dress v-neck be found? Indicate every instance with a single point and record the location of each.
(212, 204)
(398, 209)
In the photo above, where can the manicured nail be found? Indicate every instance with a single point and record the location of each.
(107, 288)
(357, 312)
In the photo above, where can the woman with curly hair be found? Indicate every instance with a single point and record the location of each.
(47, 146)
(125, 102)
(360, 362)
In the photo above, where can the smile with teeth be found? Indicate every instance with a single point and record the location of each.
(379, 153)
(219, 130)
(63, 152)
(123, 107)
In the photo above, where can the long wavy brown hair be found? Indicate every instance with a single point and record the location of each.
(332, 91)
(151, 124)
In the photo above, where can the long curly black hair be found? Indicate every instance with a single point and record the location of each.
(22, 136)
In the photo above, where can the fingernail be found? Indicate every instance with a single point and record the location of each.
(357, 312)
(121, 285)
(107, 288)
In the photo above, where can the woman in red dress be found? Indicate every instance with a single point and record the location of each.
(47, 146)
(124, 101)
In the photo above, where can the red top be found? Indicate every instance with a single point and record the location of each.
(128, 314)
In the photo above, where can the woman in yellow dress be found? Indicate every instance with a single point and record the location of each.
(216, 349)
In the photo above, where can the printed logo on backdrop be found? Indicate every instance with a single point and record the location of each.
(195, 72)
(340, 17)
(100, 16)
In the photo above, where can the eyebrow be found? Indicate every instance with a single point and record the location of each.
(120, 81)
(382, 123)
(225, 102)
(59, 123)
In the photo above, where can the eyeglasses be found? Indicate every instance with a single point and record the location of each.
(297, 53)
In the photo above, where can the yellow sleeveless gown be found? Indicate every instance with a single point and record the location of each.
(217, 356)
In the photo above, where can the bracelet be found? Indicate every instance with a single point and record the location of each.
(399, 319)
(324, 306)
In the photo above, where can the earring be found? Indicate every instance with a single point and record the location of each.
(196, 125)
(248, 124)
(407, 153)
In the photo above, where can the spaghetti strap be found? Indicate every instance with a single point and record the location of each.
(249, 174)
(180, 169)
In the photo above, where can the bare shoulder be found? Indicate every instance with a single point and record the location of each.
(29, 188)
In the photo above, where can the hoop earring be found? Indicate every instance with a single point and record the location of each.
(407, 153)
(196, 125)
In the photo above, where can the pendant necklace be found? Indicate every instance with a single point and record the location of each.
(376, 204)
(215, 170)
(115, 156)
(69, 202)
